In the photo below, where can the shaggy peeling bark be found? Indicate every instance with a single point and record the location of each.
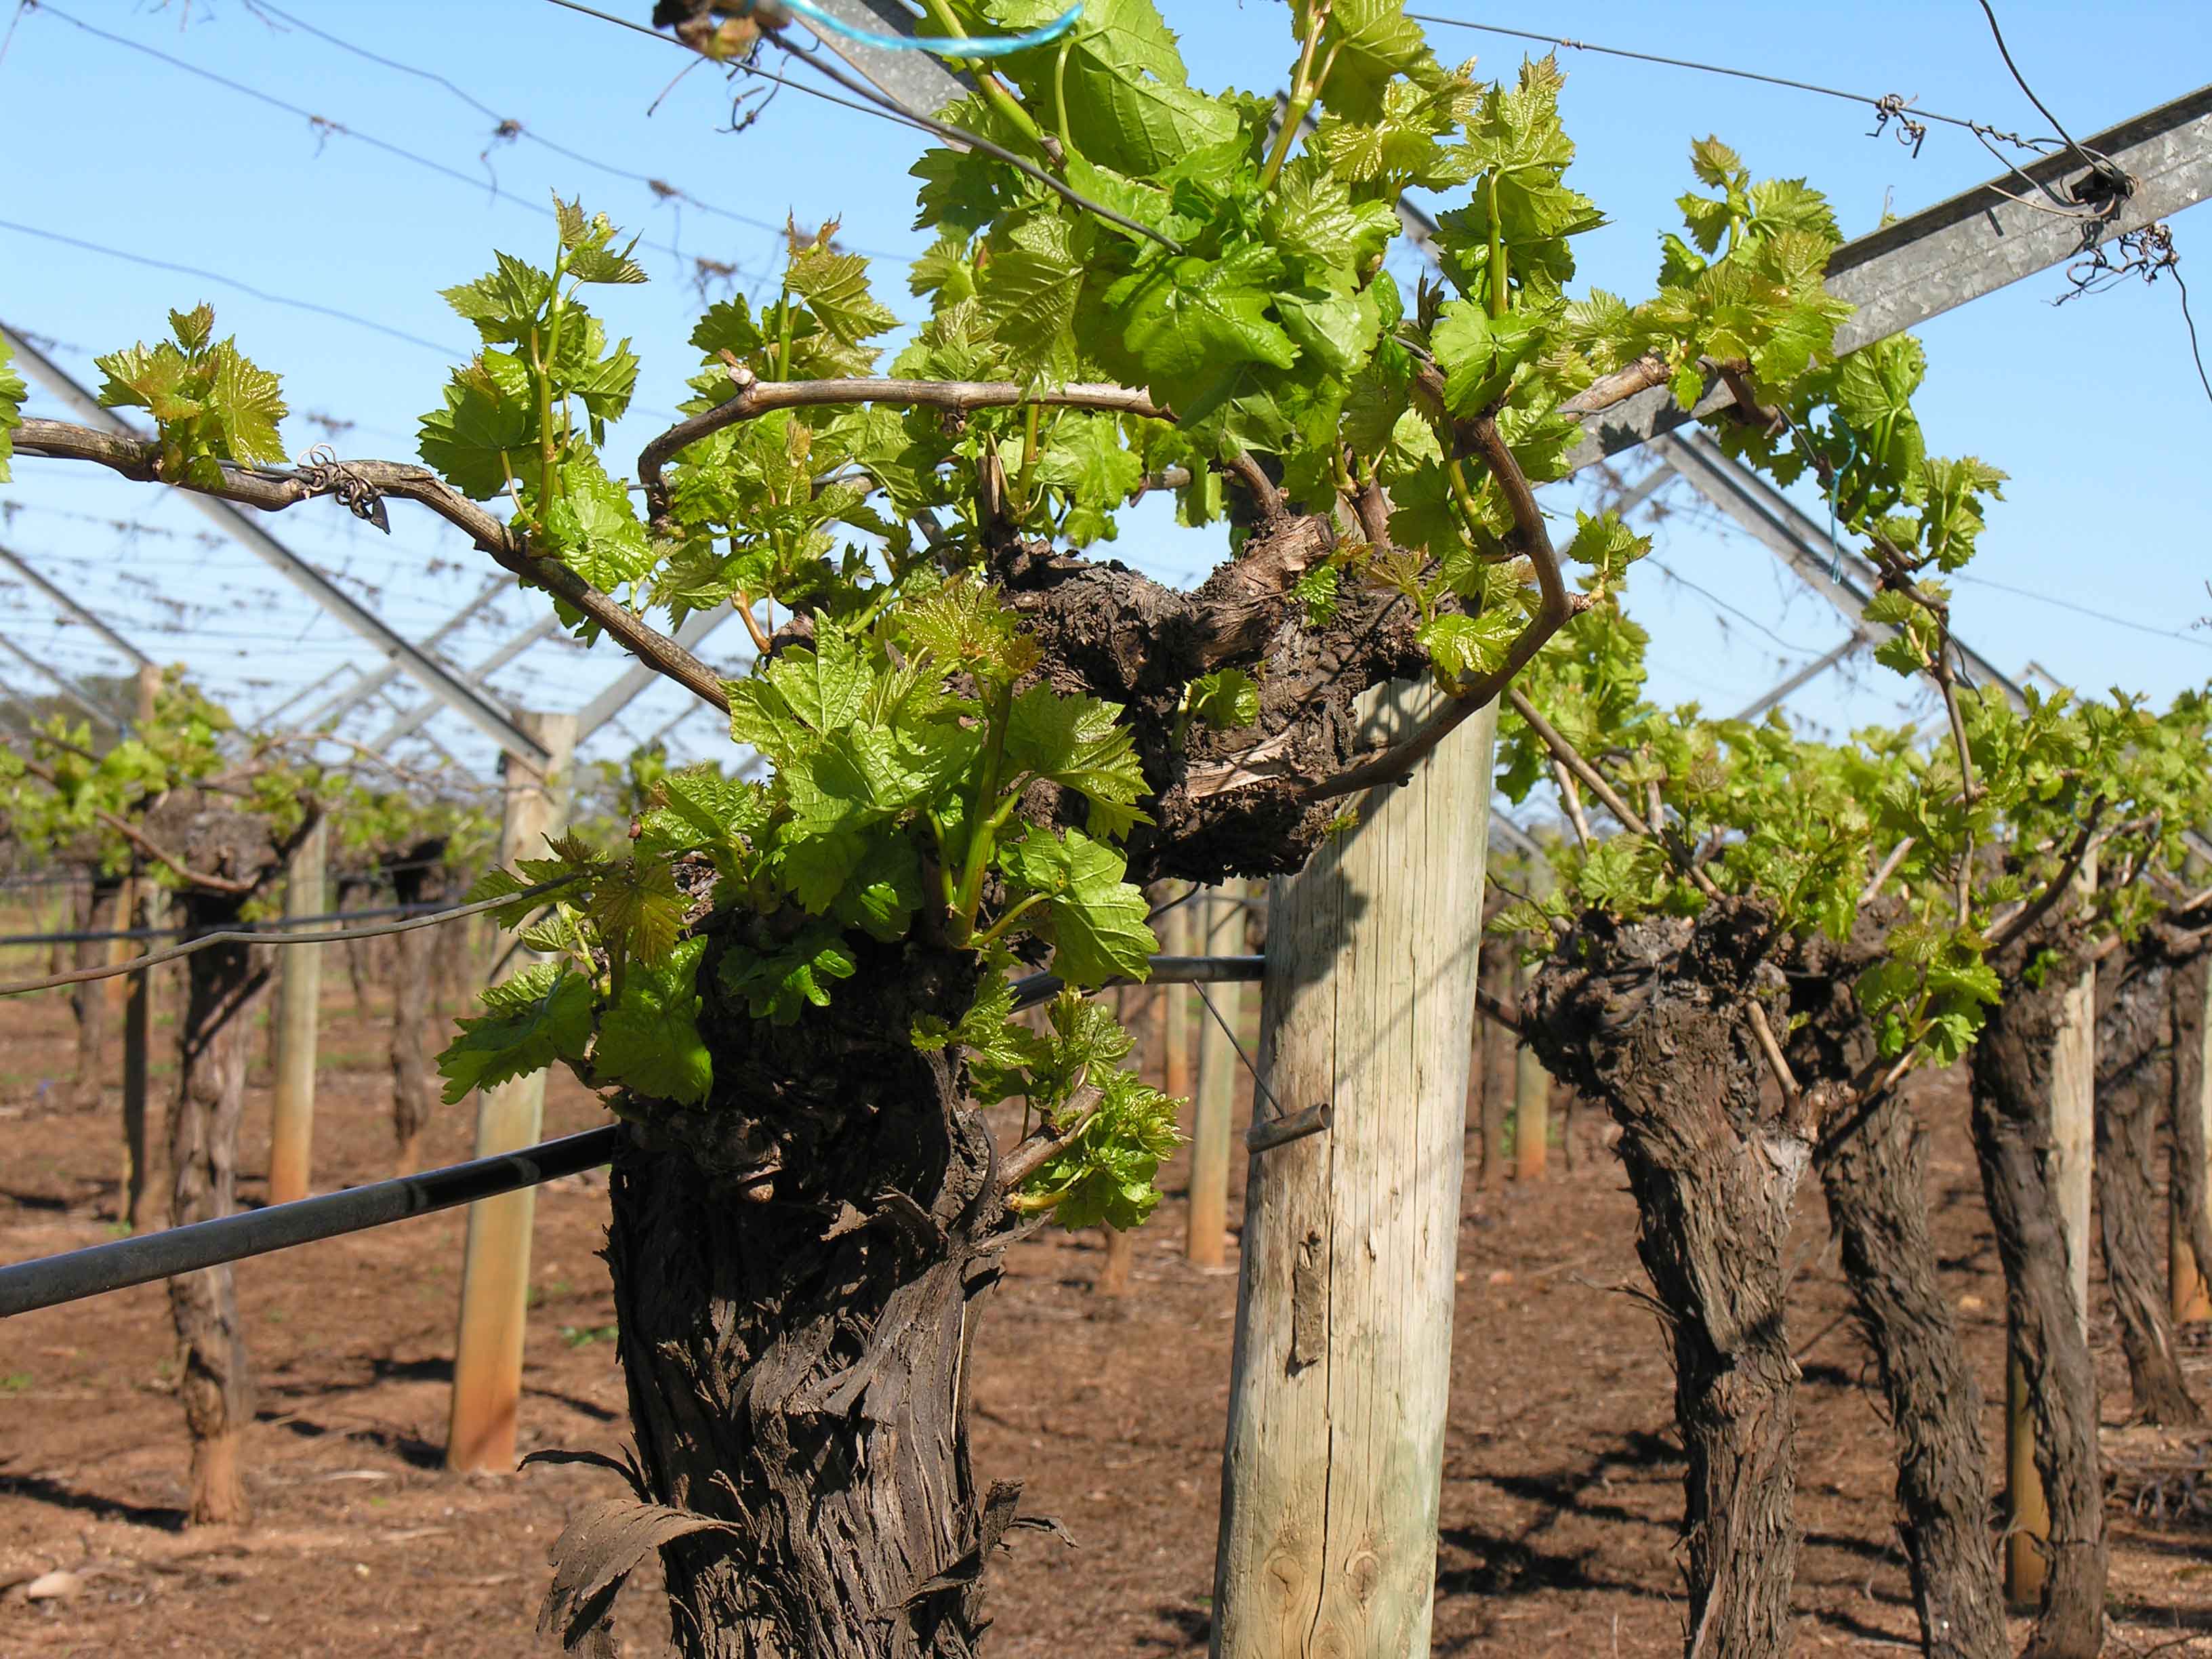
(796, 1265)
(1241, 801)
(2012, 1066)
(1872, 1169)
(1648, 1017)
(2134, 1053)
(224, 985)
(90, 1002)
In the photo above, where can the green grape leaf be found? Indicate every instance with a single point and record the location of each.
(650, 1041)
(637, 909)
(1121, 83)
(1480, 355)
(1227, 698)
(1079, 744)
(1094, 920)
(541, 1014)
(1608, 546)
(1466, 647)
(487, 429)
(209, 403)
(798, 695)
(882, 892)
(591, 527)
(496, 883)
(963, 625)
(1189, 321)
(834, 287)
(779, 987)
(1374, 46)
(506, 304)
(12, 393)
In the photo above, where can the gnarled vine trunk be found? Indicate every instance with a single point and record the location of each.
(415, 879)
(216, 1382)
(2135, 1051)
(2186, 1110)
(1872, 1169)
(91, 1001)
(796, 1269)
(356, 951)
(2012, 1066)
(1649, 1018)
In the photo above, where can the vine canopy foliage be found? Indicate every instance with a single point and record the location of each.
(952, 764)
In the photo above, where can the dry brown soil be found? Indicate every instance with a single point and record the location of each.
(1562, 1476)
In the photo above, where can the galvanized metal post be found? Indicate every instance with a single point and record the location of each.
(496, 1269)
(298, 1014)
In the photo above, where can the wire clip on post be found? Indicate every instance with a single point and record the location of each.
(1271, 1132)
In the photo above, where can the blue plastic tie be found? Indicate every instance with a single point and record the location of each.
(992, 46)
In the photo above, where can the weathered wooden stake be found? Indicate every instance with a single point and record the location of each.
(1221, 933)
(2191, 1296)
(1175, 1039)
(2073, 1143)
(495, 1270)
(1333, 1467)
(298, 1010)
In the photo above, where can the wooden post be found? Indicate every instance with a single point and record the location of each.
(299, 1012)
(1176, 1036)
(495, 1270)
(2191, 1297)
(1532, 1110)
(1332, 1467)
(2073, 1144)
(1221, 933)
(149, 908)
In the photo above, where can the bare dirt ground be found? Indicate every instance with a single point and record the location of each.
(1562, 1483)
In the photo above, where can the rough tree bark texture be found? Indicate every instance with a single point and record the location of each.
(795, 1266)
(91, 1001)
(1648, 1017)
(2135, 1052)
(2012, 1066)
(348, 891)
(224, 984)
(2190, 1252)
(1872, 1169)
(416, 879)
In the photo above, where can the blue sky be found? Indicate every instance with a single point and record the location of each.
(2093, 407)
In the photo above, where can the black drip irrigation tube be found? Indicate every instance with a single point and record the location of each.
(48, 1281)
(127, 1262)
